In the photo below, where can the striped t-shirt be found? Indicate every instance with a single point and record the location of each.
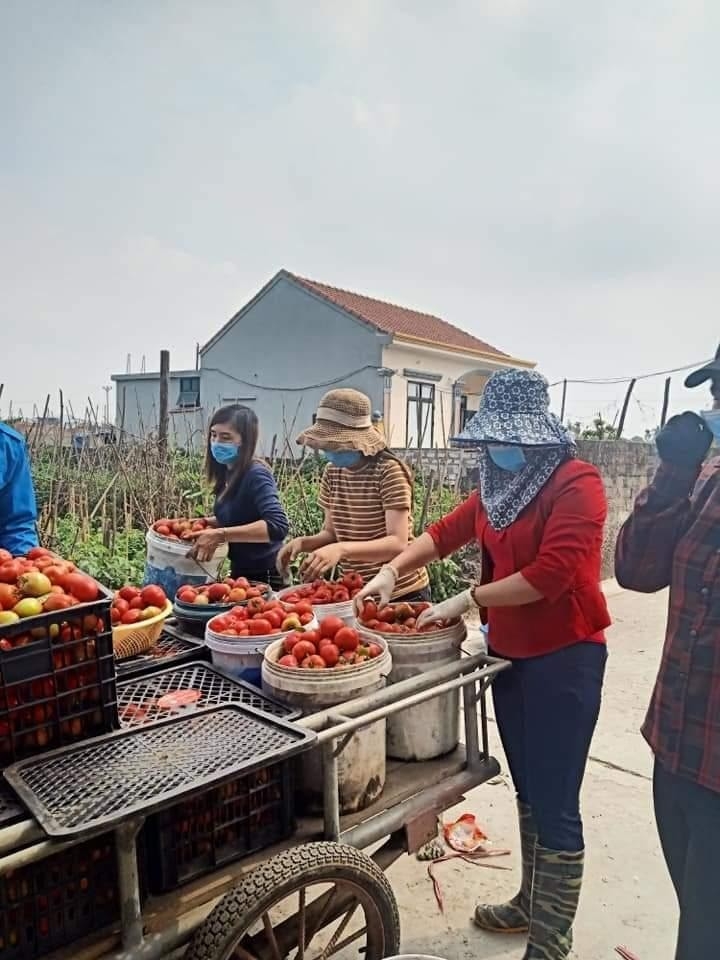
(357, 501)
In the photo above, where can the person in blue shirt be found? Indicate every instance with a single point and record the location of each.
(18, 510)
(248, 514)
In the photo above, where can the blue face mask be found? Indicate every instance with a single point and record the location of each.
(224, 453)
(343, 458)
(712, 419)
(510, 458)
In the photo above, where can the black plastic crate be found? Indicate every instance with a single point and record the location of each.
(172, 650)
(138, 697)
(218, 826)
(51, 903)
(57, 683)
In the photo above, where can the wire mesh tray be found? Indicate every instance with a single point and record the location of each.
(109, 779)
(170, 651)
(139, 700)
(11, 810)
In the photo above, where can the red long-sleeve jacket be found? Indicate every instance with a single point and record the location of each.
(556, 543)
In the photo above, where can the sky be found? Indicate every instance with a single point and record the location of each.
(542, 174)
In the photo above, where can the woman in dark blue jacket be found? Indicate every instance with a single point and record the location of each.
(248, 513)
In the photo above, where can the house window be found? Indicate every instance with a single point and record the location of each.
(189, 392)
(420, 421)
(465, 414)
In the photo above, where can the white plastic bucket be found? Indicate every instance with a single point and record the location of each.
(361, 764)
(343, 610)
(167, 564)
(431, 729)
(242, 657)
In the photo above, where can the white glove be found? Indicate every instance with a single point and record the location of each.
(382, 586)
(450, 609)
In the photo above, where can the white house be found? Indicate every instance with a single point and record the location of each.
(298, 338)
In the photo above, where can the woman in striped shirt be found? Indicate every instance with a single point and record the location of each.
(366, 495)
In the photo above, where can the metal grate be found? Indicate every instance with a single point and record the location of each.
(11, 810)
(138, 699)
(168, 648)
(106, 780)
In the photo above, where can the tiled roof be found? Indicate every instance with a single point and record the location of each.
(391, 319)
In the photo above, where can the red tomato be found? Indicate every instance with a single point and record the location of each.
(275, 617)
(347, 639)
(36, 552)
(330, 654)
(288, 661)
(9, 596)
(374, 650)
(221, 624)
(81, 586)
(217, 592)
(314, 662)
(5, 555)
(129, 593)
(137, 603)
(132, 616)
(10, 571)
(306, 618)
(369, 611)
(303, 606)
(312, 636)
(386, 615)
(122, 606)
(115, 615)
(260, 628)
(186, 594)
(290, 641)
(303, 649)
(153, 596)
(330, 626)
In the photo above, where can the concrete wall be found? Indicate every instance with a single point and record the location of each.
(280, 347)
(626, 468)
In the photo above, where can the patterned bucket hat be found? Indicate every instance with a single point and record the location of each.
(515, 409)
(343, 422)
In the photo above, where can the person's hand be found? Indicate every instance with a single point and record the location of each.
(288, 554)
(684, 440)
(382, 586)
(205, 545)
(317, 563)
(450, 609)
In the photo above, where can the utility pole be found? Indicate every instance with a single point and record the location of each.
(164, 393)
(107, 404)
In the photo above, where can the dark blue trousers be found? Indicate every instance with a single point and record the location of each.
(546, 710)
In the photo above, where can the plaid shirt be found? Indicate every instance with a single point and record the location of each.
(672, 539)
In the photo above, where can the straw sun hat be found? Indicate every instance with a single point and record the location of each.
(343, 422)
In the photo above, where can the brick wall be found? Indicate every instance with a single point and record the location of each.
(626, 468)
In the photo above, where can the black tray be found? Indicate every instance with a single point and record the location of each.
(134, 772)
(174, 647)
(137, 697)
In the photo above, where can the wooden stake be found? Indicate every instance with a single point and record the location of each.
(164, 393)
(666, 402)
(623, 412)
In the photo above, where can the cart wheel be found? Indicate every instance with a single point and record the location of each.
(314, 902)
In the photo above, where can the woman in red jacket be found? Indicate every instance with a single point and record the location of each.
(538, 517)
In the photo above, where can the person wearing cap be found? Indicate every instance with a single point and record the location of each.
(672, 539)
(366, 495)
(538, 517)
(18, 510)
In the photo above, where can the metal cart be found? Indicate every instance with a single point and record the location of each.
(318, 895)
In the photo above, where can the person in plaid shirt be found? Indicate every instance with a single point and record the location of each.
(672, 539)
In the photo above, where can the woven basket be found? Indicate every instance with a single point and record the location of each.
(132, 639)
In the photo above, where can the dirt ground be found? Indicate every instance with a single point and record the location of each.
(627, 898)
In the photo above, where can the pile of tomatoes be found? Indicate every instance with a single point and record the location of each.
(39, 583)
(320, 592)
(137, 604)
(228, 591)
(398, 618)
(179, 529)
(333, 646)
(262, 618)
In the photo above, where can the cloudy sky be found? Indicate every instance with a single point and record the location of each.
(542, 173)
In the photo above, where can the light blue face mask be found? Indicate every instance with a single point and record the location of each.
(712, 419)
(343, 458)
(224, 453)
(509, 458)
